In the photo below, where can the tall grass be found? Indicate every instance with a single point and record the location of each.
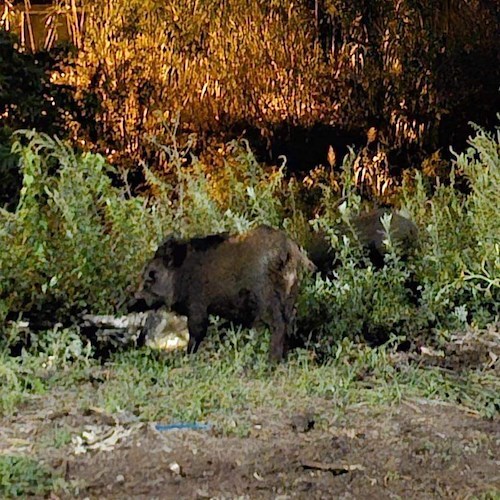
(263, 64)
(144, 63)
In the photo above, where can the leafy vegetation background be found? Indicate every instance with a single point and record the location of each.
(156, 120)
(76, 242)
(131, 141)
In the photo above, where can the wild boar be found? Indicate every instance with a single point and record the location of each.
(248, 279)
(371, 235)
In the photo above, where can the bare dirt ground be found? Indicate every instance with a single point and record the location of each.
(418, 449)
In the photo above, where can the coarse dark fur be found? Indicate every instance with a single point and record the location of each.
(371, 235)
(248, 279)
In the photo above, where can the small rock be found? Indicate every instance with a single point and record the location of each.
(120, 479)
(257, 476)
(175, 468)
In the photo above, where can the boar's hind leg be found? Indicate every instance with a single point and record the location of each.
(197, 326)
(282, 313)
(277, 341)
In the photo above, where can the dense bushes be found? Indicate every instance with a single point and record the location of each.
(71, 242)
(77, 241)
(456, 269)
(459, 266)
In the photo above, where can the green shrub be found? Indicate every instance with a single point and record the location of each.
(77, 241)
(239, 195)
(459, 262)
(456, 267)
(23, 477)
(74, 241)
(359, 301)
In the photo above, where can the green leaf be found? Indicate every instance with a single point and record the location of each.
(28, 179)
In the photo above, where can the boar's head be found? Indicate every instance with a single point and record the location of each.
(157, 286)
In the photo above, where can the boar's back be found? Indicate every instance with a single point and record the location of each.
(371, 233)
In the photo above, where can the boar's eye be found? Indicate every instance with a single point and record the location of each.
(150, 276)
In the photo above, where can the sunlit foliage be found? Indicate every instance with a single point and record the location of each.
(417, 71)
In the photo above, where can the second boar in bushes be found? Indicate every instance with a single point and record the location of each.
(250, 278)
(371, 234)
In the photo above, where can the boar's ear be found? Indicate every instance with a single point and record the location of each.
(172, 252)
(208, 242)
(179, 254)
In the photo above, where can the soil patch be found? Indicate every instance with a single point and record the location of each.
(418, 449)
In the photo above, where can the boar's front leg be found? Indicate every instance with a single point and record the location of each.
(197, 326)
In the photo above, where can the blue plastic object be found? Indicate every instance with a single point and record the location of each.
(183, 425)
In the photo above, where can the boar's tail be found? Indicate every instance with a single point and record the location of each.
(305, 263)
(308, 265)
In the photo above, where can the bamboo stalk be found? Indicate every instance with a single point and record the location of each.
(27, 8)
(50, 28)
(8, 8)
(74, 20)
(23, 34)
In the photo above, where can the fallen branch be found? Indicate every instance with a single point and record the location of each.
(335, 469)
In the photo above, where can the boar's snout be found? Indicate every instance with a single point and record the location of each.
(141, 303)
(137, 305)
(156, 288)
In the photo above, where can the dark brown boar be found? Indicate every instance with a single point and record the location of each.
(248, 279)
(371, 235)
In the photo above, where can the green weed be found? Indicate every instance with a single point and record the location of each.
(23, 477)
